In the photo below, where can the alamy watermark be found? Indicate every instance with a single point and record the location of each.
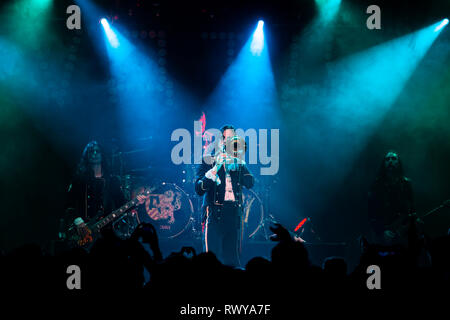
(74, 279)
(374, 280)
(74, 20)
(374, 20)
(257, 147)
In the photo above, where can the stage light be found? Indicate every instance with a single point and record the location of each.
(441, 25)
(112, 38)
(237, 98)
(40, 4)
(28, 21)
(362, 78)
(328, 9)
(257, 44)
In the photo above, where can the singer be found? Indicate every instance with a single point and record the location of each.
(220, 180)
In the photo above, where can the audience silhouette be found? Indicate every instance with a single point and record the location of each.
(114, 264)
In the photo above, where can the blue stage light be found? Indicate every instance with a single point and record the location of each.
(257, 44)
(237, 98)
(441, 25)
(328, 10)
(112, 38)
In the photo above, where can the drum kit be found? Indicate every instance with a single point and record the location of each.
(174, 208)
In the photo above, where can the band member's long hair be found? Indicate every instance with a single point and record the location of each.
(382, 171)
(84, 170)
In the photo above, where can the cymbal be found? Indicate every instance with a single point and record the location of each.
(136, 151)
(140, 170)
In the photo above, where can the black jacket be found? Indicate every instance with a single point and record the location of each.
(214, 194)
(89, 196)
(389, 203)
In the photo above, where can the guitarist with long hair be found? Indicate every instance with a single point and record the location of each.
(391, 202)
(94, 192)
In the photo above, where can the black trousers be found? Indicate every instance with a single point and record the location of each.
(222, 232)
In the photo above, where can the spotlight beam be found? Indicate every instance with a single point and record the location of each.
(257, 44)
(441, 25)
(110, 34)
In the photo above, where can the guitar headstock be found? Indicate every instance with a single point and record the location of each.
(446, 203)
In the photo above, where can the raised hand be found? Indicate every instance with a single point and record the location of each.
(147, 232)
(220, 160)
(280, 233)
(188, 252)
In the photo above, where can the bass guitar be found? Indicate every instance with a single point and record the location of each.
(86, 235)
(397, 231)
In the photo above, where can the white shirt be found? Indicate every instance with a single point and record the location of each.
(229, 194)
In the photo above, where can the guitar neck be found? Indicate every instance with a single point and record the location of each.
(119, 212)
(115, 214)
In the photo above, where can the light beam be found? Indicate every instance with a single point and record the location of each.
(257, 44)
(110, 34)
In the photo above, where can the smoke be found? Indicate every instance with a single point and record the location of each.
(336, 102)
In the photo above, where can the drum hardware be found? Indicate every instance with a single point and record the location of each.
(267, 217)
(195, 229)
(136, 151)
(140, 171)
(253, 215)
(264, 229)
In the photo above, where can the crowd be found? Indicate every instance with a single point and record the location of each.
(118, 265)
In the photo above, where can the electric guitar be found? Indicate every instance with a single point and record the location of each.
(398, 229)
(86, 235)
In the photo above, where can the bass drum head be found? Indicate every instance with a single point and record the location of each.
(168, 208)
(253, 214)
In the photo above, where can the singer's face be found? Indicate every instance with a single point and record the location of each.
(228, 133)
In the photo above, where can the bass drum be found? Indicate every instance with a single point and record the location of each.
(168, 208)
(252, 216)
